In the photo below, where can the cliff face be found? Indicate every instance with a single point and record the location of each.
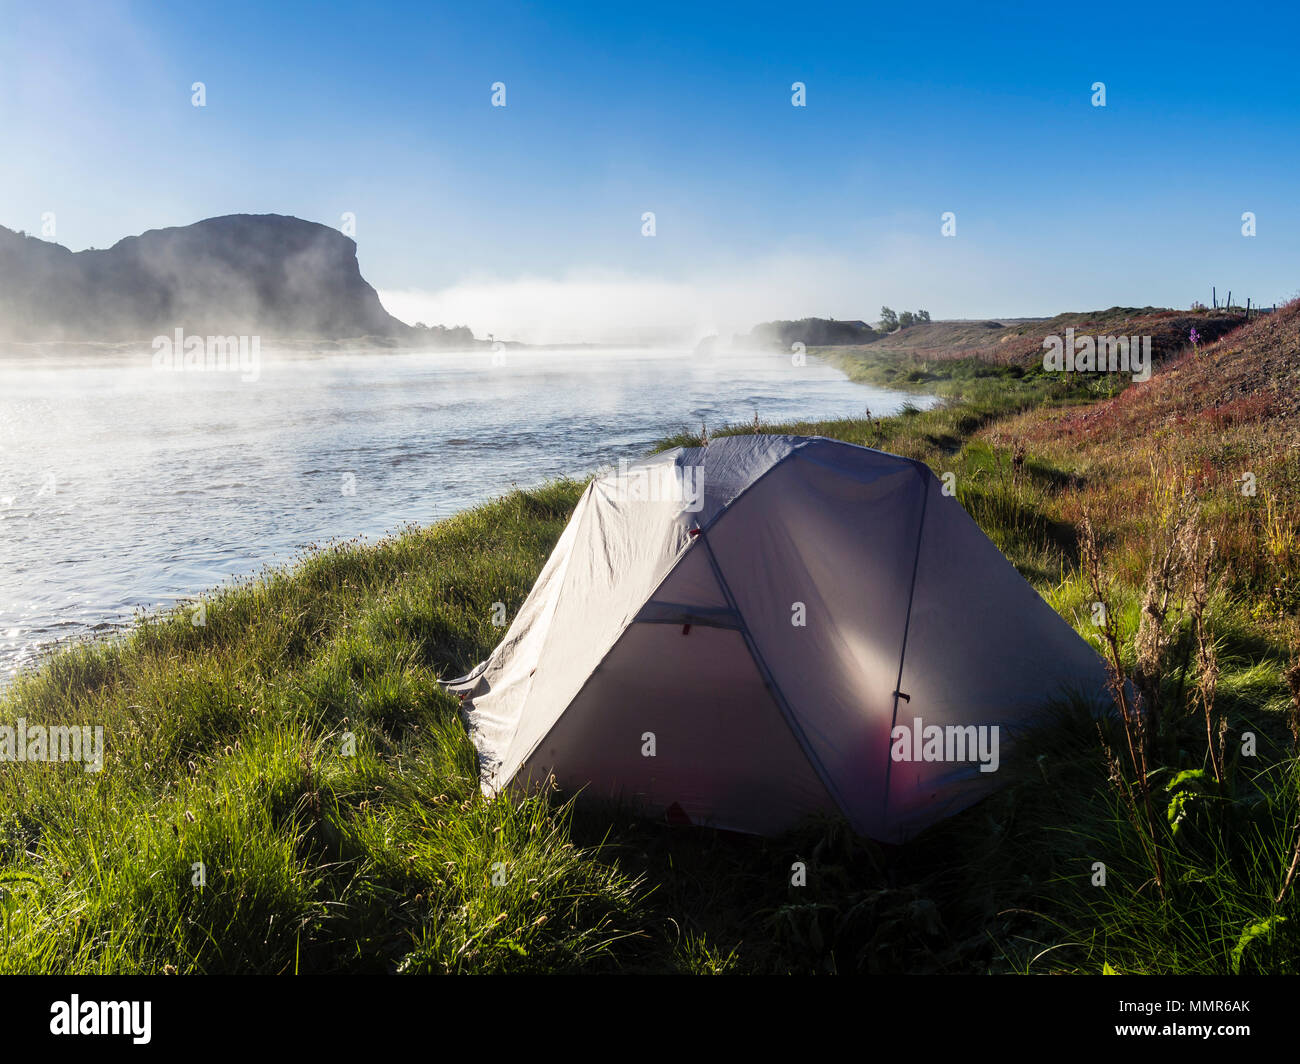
(243, 274)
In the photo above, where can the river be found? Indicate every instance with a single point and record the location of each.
(124, 488)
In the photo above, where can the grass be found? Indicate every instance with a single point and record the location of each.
(297, 750)
(289, 789)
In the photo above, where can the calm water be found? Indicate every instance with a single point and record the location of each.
(125, 488)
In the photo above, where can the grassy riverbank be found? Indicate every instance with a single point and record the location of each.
(296, 750)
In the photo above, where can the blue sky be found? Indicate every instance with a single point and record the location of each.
(526, 220)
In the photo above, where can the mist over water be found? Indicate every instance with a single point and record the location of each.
(123, 488)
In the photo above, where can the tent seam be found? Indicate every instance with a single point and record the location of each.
(703, 529)
(627, 626)
(722, 510)
(907, 625)
(778, 696)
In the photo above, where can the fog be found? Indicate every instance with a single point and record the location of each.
(602, 306)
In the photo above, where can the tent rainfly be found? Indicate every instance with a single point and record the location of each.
(769, 627)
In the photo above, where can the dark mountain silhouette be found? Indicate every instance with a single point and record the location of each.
(243, 274)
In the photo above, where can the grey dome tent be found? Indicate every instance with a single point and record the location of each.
(768, 627)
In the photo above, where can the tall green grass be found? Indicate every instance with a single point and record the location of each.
(288, 789)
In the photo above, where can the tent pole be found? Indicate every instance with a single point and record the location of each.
(787, 711)
(907, 624)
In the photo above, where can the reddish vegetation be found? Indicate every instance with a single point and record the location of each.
(1020, 342)
(1249, 376)
(1169, 331)
(1220, 420)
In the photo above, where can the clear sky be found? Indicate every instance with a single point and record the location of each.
(526, 220)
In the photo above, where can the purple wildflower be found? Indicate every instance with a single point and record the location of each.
(1195, 337)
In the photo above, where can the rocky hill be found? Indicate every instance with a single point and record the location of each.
(242, 274)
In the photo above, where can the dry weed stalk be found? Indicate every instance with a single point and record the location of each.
(1207, 659)
(1175, 549)
(1134, 721)
(1293, 721)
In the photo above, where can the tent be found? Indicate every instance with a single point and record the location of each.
(770, 627)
